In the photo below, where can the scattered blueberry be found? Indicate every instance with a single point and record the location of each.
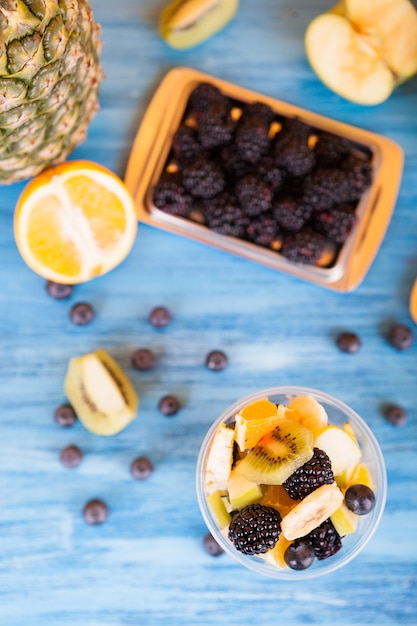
(143, 359)
(58, 291)
(211, 546)
(299, 555)
(396, 415)
(169, 405)
(82, 314)
(216, 360)
(160, 317)
(348, 342)
(65, 415)
(95, 512)
(71, 456)
(141, 468)
(360, 499)
(400, 336)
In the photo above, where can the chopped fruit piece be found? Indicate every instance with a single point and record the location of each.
(312, 511)
(365, 49)
(362, 475)
(218, 509)
(413, 302)
(344, 453)
(186, 23)
(349, 430)
(103, 397)
(315, 472)
(299, 555)
(344, 521)
(278, 454)
(325, 540)
(219, 462)
(310, 413)
(278, 498)
(242, 491)
(249, 430)
(260, 408)
(75, 221)
(278, 551)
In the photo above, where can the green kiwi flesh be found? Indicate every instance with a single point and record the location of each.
(278, 454)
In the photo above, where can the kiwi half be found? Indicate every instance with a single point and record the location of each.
(278, 454)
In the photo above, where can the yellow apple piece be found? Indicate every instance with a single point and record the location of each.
(391, 27)
(343, 452)
(242, 491)
(344, 520)
(218, 509)
(346, 61)
(307, 411)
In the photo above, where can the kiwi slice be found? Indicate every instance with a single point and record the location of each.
(278, 454)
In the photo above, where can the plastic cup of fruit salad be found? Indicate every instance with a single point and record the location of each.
(291, 482)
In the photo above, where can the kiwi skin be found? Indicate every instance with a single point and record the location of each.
(278, 454)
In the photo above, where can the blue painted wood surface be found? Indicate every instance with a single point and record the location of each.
(146, 565)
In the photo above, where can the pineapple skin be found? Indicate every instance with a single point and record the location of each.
(50, 75)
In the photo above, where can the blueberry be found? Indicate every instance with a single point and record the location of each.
(211, 546)
(95, 512)
(396, 415)
(65, 415)
(71, 456)
(59, 291)
(360, 499)
(216, 360)
(400, 336)
(143, 359)
(141, 468)
(348, 342)
(169, 405)
(160, 317)
(299, 555)
(82, 314)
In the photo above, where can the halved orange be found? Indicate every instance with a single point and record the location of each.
(413, 302)
(75, 221)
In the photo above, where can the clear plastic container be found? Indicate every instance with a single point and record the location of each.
(353, 544)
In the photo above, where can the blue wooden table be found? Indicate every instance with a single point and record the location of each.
(146, 565)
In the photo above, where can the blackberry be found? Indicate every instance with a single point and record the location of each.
(252, 138)
(307, 478)
(259, 110)
(232, 163)
(293, 153)
(203, 178)
(206, 96)
(326, 187)
(325, 540)
(253, 194)
(185, 145)
(331, 149)
(215, 132)
(255, 529)
(359, 175)
(291, 213)
(271, 173)
(265, 231)
(336, 224)
(295, 128)
(170, 196)
(224, 215)
(305, 246)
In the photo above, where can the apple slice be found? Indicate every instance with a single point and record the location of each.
(242, 491)
(391, 26)
(342, 451)
(346, 61)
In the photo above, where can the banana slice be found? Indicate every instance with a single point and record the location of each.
(100, 392)
(311, 512)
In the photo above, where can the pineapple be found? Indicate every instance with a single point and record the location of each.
(49, 79)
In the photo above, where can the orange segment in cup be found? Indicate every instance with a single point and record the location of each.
(74, 222)
(254, 421)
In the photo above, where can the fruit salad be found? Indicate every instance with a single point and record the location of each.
(284, 484)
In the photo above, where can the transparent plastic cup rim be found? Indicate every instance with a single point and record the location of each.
(372, 456)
